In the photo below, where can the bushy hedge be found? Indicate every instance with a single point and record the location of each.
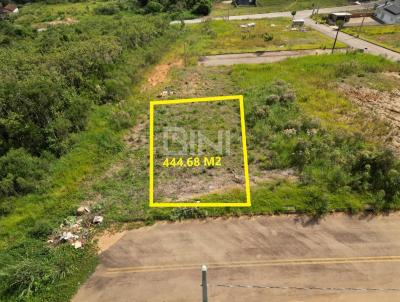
(51, 79)
(197, 7)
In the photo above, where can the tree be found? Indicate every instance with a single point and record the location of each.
(293, 14)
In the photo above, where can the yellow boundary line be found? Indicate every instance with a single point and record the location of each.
(312, 261)
(244, 147)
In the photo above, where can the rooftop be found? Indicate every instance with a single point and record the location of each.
(394, 9)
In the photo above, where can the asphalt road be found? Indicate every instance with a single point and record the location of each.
(353, 41)
(258, 57)
(162, 262)
(299, 14)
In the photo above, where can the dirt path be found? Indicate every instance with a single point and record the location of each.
(162, 262)
(258, 57)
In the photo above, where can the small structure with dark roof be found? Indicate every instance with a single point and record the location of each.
(389, 12)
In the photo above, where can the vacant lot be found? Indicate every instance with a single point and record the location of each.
(218, 37)
(267, 6)
(385, 35)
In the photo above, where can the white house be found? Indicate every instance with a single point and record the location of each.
(389, 12)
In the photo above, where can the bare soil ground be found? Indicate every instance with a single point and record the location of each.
(162, 262)
(382, 104)
(160, 73)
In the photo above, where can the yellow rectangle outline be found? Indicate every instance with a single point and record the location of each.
(244, 145)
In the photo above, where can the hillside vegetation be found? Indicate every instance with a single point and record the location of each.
(63, 105)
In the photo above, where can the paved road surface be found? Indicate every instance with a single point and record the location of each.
(162, 262)
(300, 14)
(353, 41)
(258, 57)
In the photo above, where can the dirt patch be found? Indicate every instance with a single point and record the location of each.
(108, 239)
(136, 136)
(160, 72)
(274, 175)
(223, 181)
(383, 104)
(66, 21)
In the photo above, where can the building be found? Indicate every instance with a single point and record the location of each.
(298, 23)
(389, 12)
(335, 17)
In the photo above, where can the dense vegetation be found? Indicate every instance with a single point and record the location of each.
(51, 80)
(55, 83)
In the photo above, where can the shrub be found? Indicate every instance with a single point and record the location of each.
(41, 229)
(19, 172)
(154, 7)
(6, 207)
(316, 202)
(186, 213)
(301, 154)
(110, 9)
(268, 37)
(378, 172)
(202, 7)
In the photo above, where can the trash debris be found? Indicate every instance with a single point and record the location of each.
(67, 236)
(247, 25)
(82, 210)
(166, 92)
(97, 219)
(77, 244)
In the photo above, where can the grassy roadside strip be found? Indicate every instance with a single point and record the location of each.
(389, 34)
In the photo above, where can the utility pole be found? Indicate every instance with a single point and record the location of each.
(204, 282)
(339, 25)
(362, 22)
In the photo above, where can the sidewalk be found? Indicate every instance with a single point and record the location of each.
(353, 41)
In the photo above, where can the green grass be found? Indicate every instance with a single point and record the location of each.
(218, 37)
(124, 196)
(35, 13)
(268, 6)
(384, 35)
